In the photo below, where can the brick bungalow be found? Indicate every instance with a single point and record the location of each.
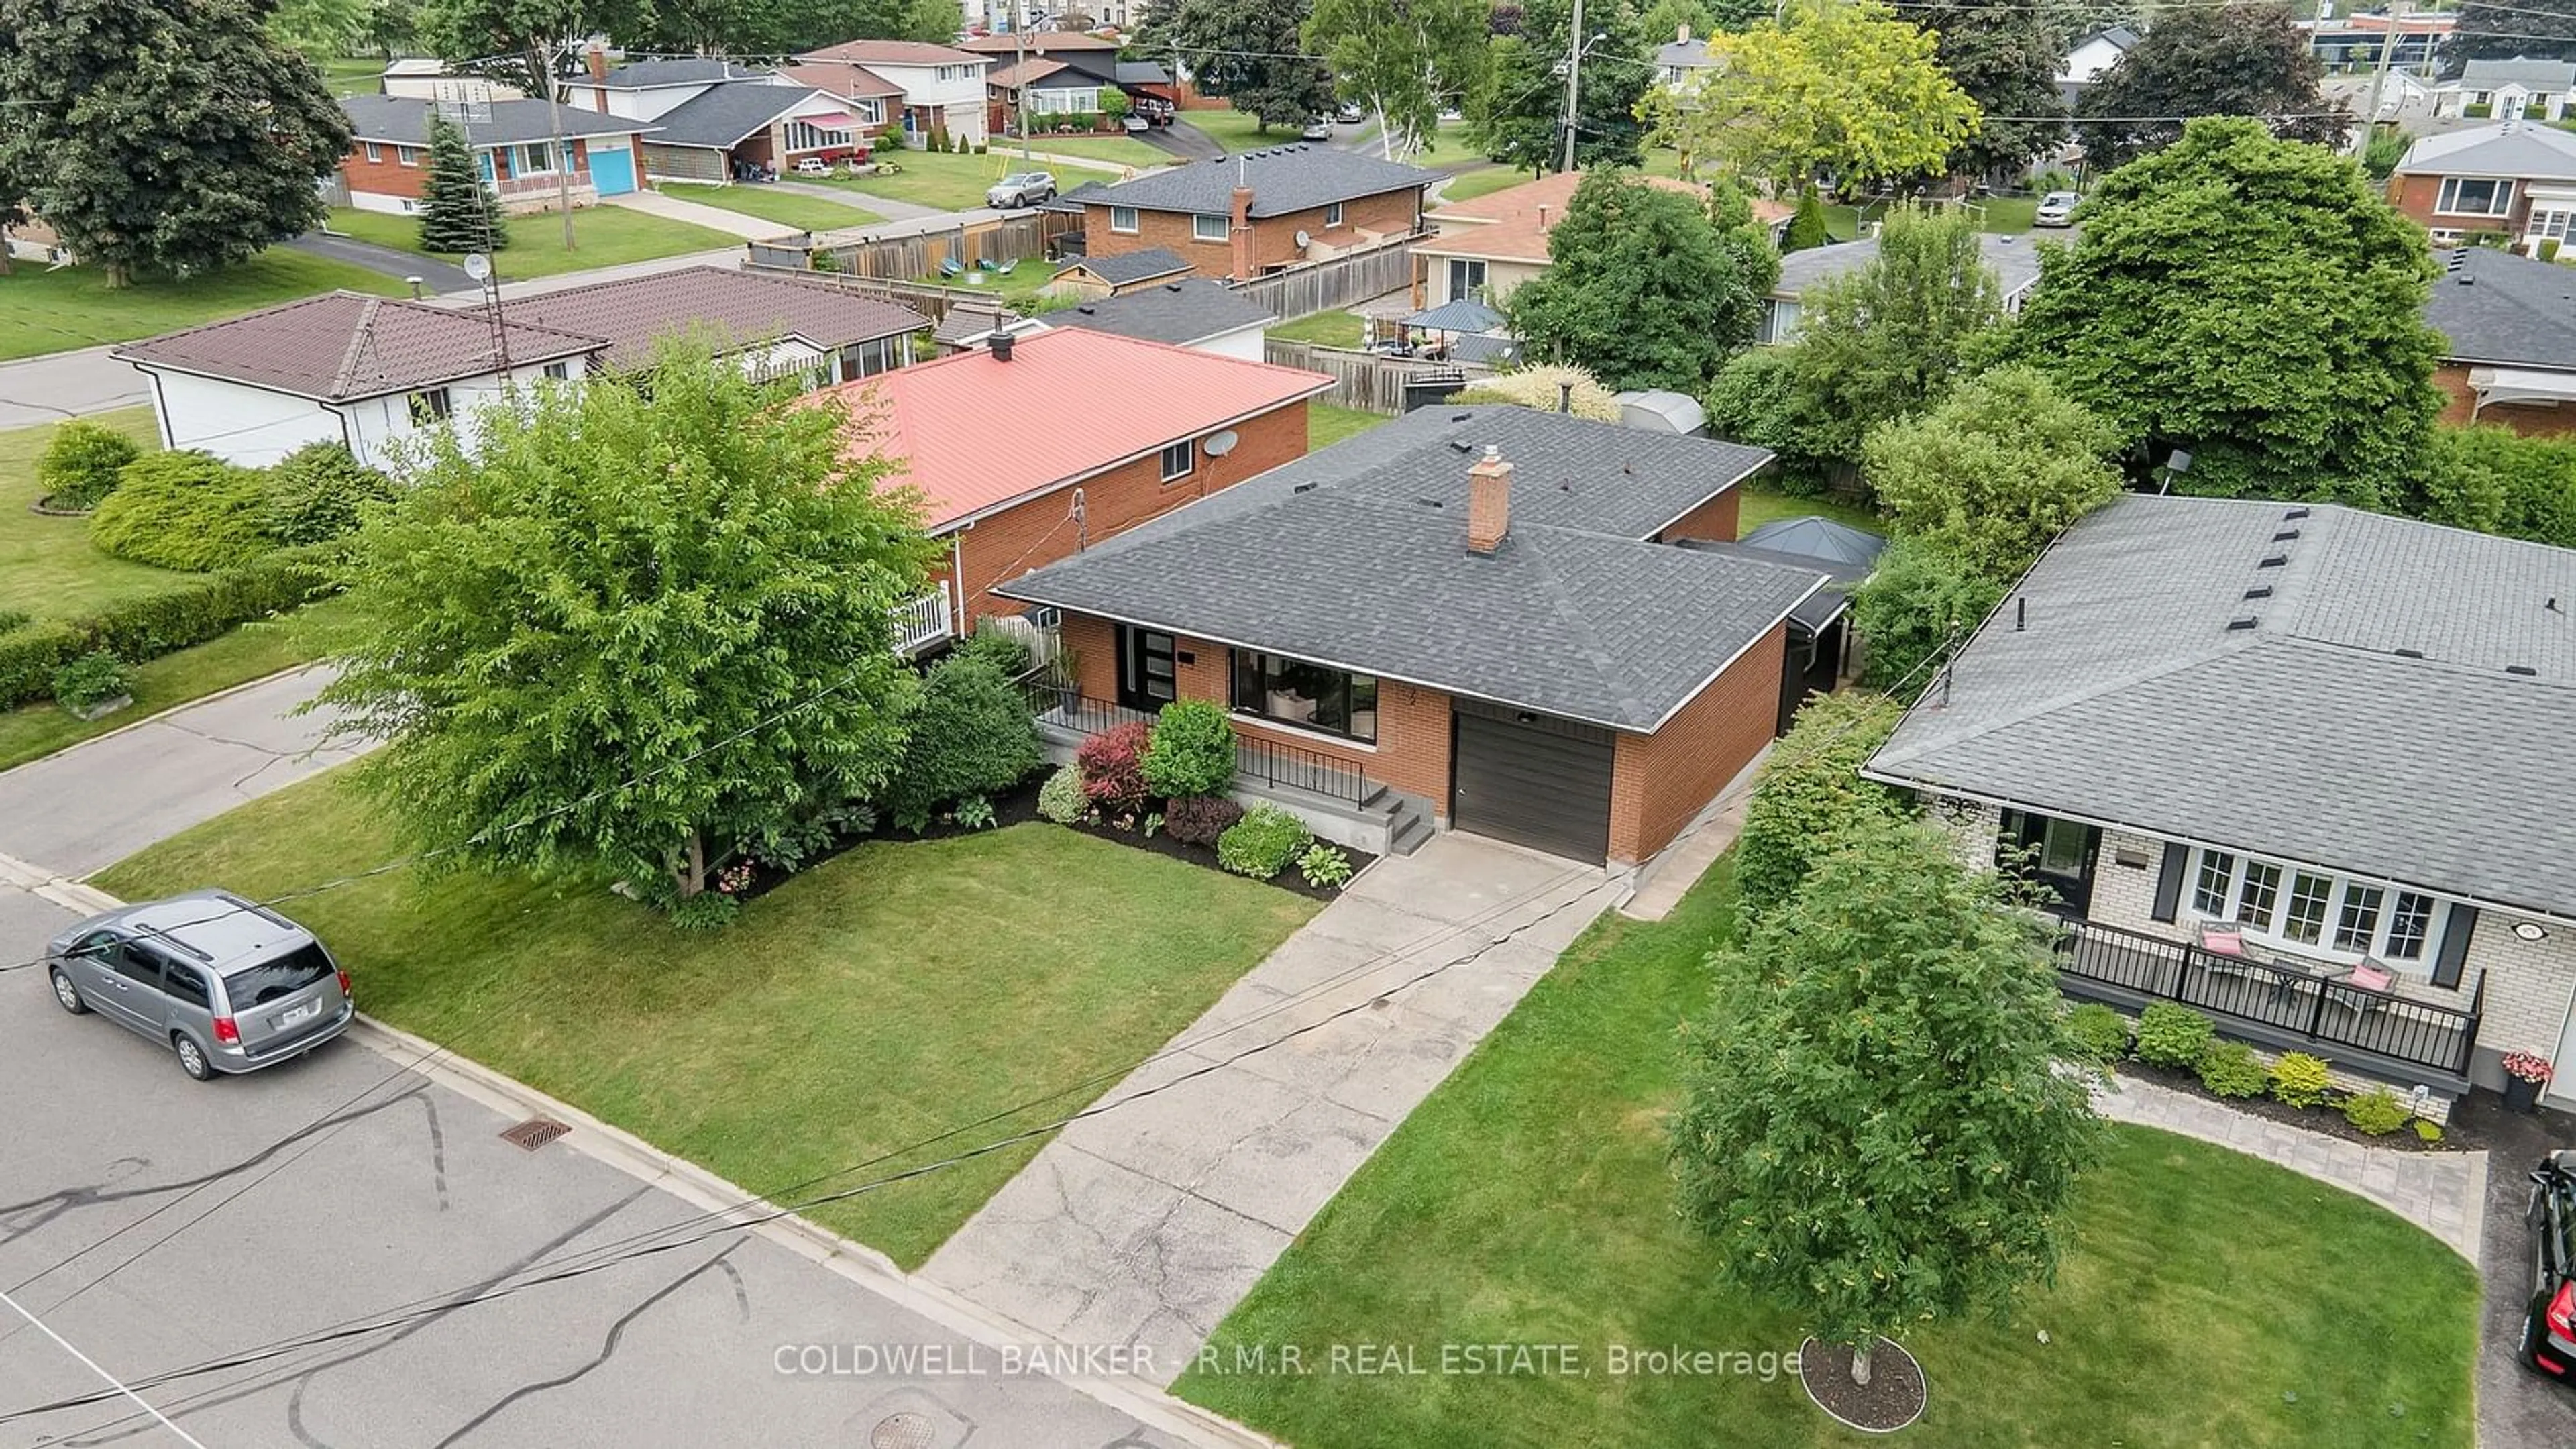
(1473, 612)
(388, 164)
(1021, 459)
(1257, 212)
(2515, 177)
(2508, 341)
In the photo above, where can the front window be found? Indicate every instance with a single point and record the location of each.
(1179, 459)
(1466, 277)
(2209, 888)
(870, 113)
(1333, 214)
(805, 136)
(1064, 102)
(1310, 696)
(2474, 196)
(1206, 228)
(536, 157)
(559, 371)
(1122, 219)
(2314, 911)
(2550, 225)
(407, 155)
(2305, 921)
(375, 154)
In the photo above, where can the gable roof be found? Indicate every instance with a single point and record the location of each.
(2015, 260)
(1192, 309)
(941, 417)
(344, 346)
(404, 121)
(1575, 615)
(1121, 268)
(1506, 225)
(724, 115)
(841, 78)
(631, 316)
(2369, 718)
(1283, 179)
(895, 52)
(1689, 54)
(1028, 72)
(681, 71)
(2521, 70)
(1143, 73)
(2515, 148)
(2119, 37)
(2497, 306)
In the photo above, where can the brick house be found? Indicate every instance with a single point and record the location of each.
(1472, 617)
(2508, 341)
(1258, 212)
(2516, 177)
(717, 121)
(941, 87)
(388, 163)
(2296, 766)
(1020, 462)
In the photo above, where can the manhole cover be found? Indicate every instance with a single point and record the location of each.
(903, 1431)
(534, 1133)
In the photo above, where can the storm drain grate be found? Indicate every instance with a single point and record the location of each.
(534, 1133)
(906, 1430)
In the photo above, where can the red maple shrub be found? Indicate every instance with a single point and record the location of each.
(1113, 770)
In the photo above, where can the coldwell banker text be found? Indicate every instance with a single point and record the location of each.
(1357, 1360)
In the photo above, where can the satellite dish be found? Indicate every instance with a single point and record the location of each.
(1305, 240)
(1220, 444)
(477, 266)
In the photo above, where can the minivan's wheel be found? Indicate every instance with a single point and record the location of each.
(192, 1057)
(2534, 1327)
(68, 994)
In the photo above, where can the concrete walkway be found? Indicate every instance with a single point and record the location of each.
(2441, 1192)
(698, 213)
(884, 206)
(1148, 1224)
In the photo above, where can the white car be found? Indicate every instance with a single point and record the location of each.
(2057, 208)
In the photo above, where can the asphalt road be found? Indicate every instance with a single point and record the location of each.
(62, 385)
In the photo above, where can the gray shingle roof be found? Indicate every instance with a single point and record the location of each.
(1124, 267)
(686, 70)
(2555, 75)
(1143, 73)
(723, 115)
(1283, 179)
(634, 314)
(2526, 149)
(1848, 553)
(1683, 54)
(1190, 310)
(2125, 696)
(1357, 556)
(2015, 260)
(2501, 307)
(404, 120)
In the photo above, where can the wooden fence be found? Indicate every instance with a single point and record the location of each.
(1366, 380)
(1356, 276)
(1026, 237)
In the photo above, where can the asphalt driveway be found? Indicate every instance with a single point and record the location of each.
(2516, 1409)
(435, 275)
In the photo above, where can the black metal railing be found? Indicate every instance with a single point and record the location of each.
(1258, 761)
(2285, 999)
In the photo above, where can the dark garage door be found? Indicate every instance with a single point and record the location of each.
(1531, 779)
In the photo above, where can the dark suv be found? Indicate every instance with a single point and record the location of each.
(2549, 1328)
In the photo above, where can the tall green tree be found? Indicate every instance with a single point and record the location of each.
(458, 212)
(321, 28)
(2506, 29)
(169, 136)
(1663, 22)
(1996, 469)
(1872, 1130)
(1918, 601)
(1839, 86)
(2246, 59)
(1249, 52)
(633, 628)
(528, 43)
(1810, 793)
(1644, 287)
(2255, 302)
(2006, 60)
(1518, 116)
(1403, 59)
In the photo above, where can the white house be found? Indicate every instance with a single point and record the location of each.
(2089, 57)
(1681, 60)
(2505, 89)
(943, 87)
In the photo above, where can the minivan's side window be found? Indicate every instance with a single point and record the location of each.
(185, 983)
(137, 962)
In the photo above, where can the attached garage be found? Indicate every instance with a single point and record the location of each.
(1531, 779)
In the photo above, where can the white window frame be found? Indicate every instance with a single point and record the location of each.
(2345, 896)
(407, 156)
(2446, 201)
(869, 112)
(1064, 101)
(375, 153)
(1186, 452)
(1129, 228)
(559, 371)
(527, 162)
(429, 406)
(1332, 216)
(1198, 227)
(805, 136)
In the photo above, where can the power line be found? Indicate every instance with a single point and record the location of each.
(118, 1386)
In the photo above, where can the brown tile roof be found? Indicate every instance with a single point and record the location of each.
(892, 52)
(841, 78)
(346, 346)
(631, 315)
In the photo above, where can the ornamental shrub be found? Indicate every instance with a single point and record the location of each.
(185, 510)
(317, 492)
(1808, 793)
(1061, 799)
(2376, 1112)
(2300, 1079)
(80, 465)
(1191, 752)
(1325, 867)
(2172, 1036)
(152, 625)
(29, 655)
(1262, 843)
(1200, 819)
(92, 679)
(971, 736)
(1004, 652)
(2097, 1034)
(2230, 1069)
(1113, 771)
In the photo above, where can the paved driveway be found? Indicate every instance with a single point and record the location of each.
(63, 385)
(435, 275)
(2516, 1408)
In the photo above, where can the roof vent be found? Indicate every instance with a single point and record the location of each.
(1305, 487)
(2409, 653)
(1087, 310)
(2523, 669)
(2237, 625)
(2300, 512)
(2285, 535)
(1461, 445)
(1430, 502)
(2259, 591)
(2467, 279)
(2273, 561)
(1171, 286)
(1462, 417)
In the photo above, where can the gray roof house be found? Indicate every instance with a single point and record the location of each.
(1106, 276)
(1283, 179)
(2297, 766)
(1190, 312)
(2015, 261)
(405, 120)
(1257, 212)
(1477, 608)
(514, 145)
(2508, 325)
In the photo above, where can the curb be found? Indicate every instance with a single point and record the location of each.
(62, 890)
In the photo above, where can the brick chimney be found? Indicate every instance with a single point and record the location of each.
(1244, 264)
(597, 57)
(1489, 503)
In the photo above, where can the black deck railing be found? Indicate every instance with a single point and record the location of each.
(2276, 1002)
(1258, 761)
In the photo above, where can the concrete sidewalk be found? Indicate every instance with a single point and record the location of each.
(698, 213)
(1148, 1224)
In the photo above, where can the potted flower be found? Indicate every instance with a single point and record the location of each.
(2525, 1073)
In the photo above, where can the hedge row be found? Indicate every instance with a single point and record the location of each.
(146, 628)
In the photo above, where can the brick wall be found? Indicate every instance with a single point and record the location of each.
(387, 176)
(2417, 195)
(1714, 521)
(1041, 530)
(2532, 420)
(1274, 238)
(1659, 781)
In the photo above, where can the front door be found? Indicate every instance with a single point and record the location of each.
(1146, 678)
(2060, 857)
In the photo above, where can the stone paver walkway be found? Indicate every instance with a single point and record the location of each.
(2443, 1193)
(1147, 1224)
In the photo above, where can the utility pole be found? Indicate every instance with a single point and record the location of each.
(1020, 78)
(541, 55)
(1573, 80)
(2387, 48)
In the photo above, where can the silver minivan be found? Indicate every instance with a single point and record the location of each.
(227, 984)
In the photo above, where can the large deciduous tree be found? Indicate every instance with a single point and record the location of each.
(2252, 301)
(1872, 1129)
(2236, 60)
(2006, 59)
(2506, 29)
(1519, 114)
(1250, 52)
(1646, 285)
(169, 136)
(1403, 59)
(632, 630)
(1839, 86)
(1996, 469)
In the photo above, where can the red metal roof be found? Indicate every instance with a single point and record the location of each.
(974, 432)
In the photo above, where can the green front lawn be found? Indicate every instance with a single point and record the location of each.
(1758, 506)
(790, 210)
(47, 567)
(1483, 181)
(940, 179)
(1329, 423)
(44, 310)
(1237, 130)
(1325, 329)
(603, 236)
(353, 75)
(1121, 149)
(2209, 1298)
(884, 997)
